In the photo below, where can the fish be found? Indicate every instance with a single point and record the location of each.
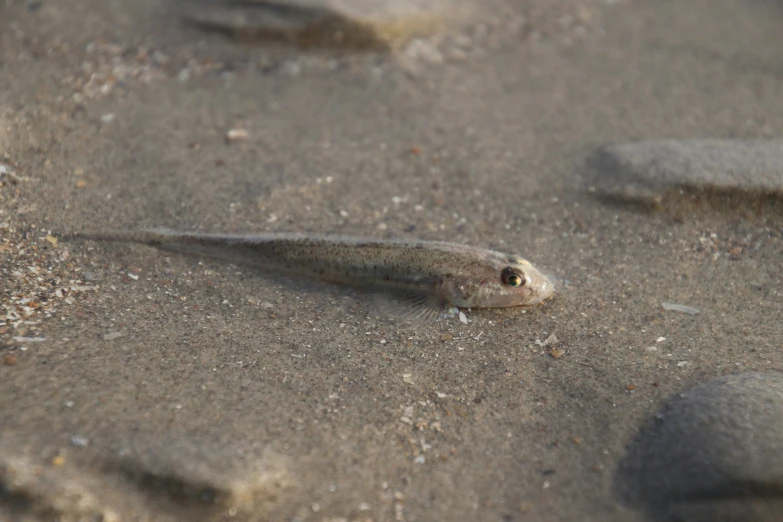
(430, 275)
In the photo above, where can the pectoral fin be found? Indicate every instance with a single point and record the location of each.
(409, 307)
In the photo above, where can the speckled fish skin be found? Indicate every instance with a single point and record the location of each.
(449, 273)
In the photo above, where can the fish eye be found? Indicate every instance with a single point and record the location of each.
(512, 277)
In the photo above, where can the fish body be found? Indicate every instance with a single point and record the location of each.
(444, 273)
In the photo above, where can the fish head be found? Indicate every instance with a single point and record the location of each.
(505, 281)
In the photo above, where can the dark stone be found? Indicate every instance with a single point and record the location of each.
(714, 453)
(648, 170)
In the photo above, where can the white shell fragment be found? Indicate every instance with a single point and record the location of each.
(237, 135)
(680, 308)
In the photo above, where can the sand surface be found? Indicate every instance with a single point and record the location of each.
(164, 387)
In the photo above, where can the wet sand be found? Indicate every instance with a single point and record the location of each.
(166, 387)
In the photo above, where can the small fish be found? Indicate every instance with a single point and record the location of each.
(430, 274)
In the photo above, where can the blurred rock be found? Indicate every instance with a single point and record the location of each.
(168, 480)
(648, 170)
(712, 454)
(355, 24)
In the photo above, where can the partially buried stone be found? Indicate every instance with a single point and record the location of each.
(712, 454)
(356, 24)
(648, 170)
(194, 479)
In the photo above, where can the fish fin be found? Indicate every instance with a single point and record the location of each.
(421, 308)
(416, 308)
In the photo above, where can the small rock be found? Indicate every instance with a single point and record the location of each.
(10, 360)
(354, 24)
(113, 335)
(188, 475)
(237, 135)
(79, 442)
(712, 454)
(648, 170)
(556, 353)
(680, 308)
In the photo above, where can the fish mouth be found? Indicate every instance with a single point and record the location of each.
(546, 288)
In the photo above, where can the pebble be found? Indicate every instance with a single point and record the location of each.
(350, 24)
(735, 252)
(711, 454)
(79, 441)
(680, 308)
(649, 170)
(237, 135)
(187, 477)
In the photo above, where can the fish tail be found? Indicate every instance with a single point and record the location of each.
(150, 236)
